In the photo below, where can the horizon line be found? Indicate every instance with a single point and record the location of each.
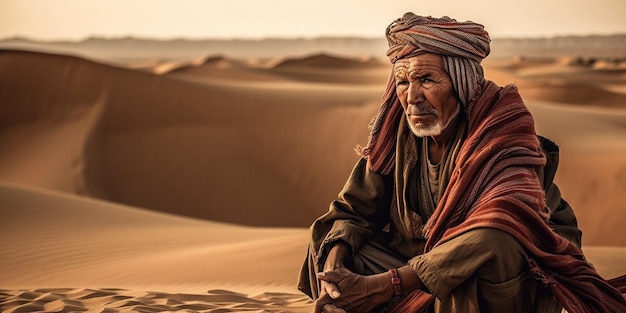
(286, 38)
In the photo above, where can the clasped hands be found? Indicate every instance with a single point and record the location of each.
(343, 291)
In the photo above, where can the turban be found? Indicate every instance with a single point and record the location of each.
(462, 45)
(413, 34)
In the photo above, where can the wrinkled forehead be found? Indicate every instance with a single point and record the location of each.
(423, 62)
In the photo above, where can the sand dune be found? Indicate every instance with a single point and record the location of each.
(250, 153)
(323, 68)
(187, 183)
(119, 300)
(328, 61)
(567, 81)
(119, 246)
(227, 141)
(65, 252)
(291, 72)
(113, 256)
(219, 69)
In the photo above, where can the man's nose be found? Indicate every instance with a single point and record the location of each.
(415, 93)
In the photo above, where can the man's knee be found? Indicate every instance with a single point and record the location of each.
(507, 257)
(374, 258)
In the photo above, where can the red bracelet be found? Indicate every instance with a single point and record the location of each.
(395, 280)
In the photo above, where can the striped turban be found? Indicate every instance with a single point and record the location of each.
(462, 45)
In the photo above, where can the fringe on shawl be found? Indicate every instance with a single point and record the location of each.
(380, 149)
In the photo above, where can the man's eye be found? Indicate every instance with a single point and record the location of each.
(401, 83)
(427, 82)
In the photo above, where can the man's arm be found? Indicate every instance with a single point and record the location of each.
(361, 210)
(562, 220)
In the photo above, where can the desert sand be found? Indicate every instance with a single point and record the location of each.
(188, 185)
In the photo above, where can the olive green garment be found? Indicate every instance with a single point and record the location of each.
(378, 206)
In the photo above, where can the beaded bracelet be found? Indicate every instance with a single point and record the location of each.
(395, 280)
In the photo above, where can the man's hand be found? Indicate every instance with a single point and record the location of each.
(329, 291)
(358, 293)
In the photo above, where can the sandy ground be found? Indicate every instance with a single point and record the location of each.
(172, 186)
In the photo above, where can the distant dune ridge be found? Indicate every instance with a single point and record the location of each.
(129, 48)
(184, 179)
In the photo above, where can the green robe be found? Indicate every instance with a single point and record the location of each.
(387, 207)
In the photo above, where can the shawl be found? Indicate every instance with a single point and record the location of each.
(494, 185)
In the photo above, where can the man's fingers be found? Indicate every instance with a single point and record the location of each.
(330, 308)
(334, 293)
(330, 280)
(331, 289)
(323, 305)
(330, 276)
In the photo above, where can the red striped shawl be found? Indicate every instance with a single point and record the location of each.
(494, 185)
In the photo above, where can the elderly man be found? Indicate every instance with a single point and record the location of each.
(452, 207)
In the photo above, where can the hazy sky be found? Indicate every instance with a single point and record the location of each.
(77, 19)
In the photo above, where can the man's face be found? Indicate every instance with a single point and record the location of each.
(426, 94)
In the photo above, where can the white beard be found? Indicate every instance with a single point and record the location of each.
(435, 129)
